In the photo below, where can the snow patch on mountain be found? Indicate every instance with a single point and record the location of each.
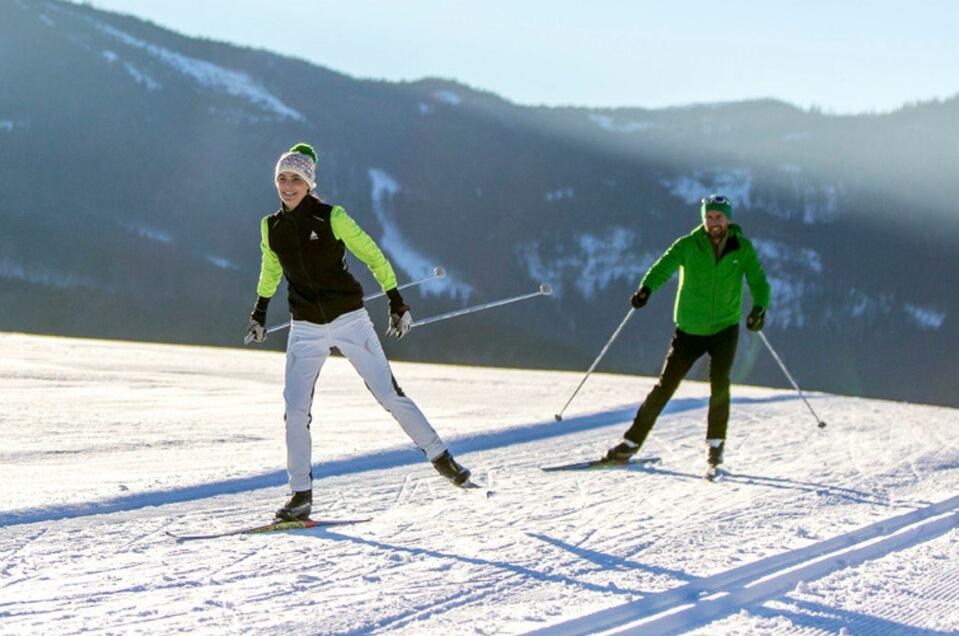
(820, 204)
(925, 317)
(138, 76)
(7, 124)
(425, 109)
(415, 264)
(736, 184)
(861, 304)
(40, 275)
(207, 74)
(793, 273)
(597, 261)
(607, 122)
(448, 97)
(222, 263)
(793, 195)
(558, 195)
(149, 232)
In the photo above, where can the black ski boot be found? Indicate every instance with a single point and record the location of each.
(447, 466)
(621, 453)
(297, 508)
(716, 454)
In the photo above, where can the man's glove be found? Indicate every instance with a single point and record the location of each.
(754, 322)
(639, 299)
(401, 320)
(256, 329)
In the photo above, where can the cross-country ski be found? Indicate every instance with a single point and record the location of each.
(603, 463)
(276, 526)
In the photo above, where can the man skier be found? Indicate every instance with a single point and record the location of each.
(305, 241)
(712, 260)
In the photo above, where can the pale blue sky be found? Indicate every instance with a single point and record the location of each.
(843, 56)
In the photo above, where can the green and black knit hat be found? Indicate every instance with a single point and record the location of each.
(716, 203)
(300, 160)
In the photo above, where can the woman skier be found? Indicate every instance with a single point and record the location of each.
(305, 241)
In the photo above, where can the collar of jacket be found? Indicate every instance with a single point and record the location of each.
(700, 232)
(306, 206)
(733, 234)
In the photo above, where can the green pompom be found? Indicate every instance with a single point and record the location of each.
(305, 149)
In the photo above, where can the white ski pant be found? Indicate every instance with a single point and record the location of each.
(307, 349)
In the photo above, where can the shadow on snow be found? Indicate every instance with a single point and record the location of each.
(380, 460)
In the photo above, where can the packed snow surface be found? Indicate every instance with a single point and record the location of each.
(106, 447)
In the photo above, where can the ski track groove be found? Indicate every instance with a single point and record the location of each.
(766, 579)
(163, 525)
(916, 477)
(9, 558)
(443, 606)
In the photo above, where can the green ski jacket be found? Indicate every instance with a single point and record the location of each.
(710, 294)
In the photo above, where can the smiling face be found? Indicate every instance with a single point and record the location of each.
(291, 188)
(716, 224)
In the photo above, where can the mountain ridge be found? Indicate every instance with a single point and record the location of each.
(160, 150)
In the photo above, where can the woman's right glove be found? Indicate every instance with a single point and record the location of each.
(256, 328)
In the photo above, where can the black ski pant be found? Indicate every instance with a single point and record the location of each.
(683, 352)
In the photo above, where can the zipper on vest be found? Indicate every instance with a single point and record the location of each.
(299, 253)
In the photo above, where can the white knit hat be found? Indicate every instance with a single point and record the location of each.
(301, 161)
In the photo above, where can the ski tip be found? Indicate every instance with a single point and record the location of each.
(469, 484)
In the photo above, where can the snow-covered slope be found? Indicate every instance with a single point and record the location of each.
(107, 446)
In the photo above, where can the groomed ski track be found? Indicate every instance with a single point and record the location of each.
(812, 531)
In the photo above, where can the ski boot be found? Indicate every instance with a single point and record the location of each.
(621, 453)
(715, 448)
(449, 468)
(297, 508)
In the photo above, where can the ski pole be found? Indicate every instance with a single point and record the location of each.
(782, 366)
(438, 272)
(629, 314)
(544, 290)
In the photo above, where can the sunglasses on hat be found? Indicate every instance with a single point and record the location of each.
(716, 198)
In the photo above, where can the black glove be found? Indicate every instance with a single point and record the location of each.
(401, 320)
(256, 329)
(639, 299)
(754, 322)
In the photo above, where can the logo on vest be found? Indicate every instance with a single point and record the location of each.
(314, 236)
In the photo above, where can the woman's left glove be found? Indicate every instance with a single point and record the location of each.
(401, 320)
